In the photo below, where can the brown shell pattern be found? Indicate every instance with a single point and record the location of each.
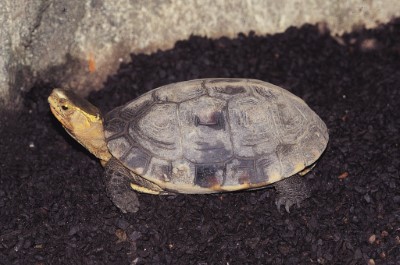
(212, 135)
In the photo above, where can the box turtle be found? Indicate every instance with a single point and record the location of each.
(199, 136)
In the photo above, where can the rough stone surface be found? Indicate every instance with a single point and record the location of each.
(53, 204)
(17, 19)
(78, 43)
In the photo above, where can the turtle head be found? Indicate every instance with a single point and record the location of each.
(81, 119)
(75, 113)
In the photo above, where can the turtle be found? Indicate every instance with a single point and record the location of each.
(200, 136)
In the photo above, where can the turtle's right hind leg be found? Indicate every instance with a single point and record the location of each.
(118, 187)
(291, 191)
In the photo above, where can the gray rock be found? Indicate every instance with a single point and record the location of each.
(78, 43)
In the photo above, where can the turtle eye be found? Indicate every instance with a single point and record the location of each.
(64, 107)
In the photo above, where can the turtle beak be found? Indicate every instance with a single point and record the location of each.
(56, 100)
(54, 103)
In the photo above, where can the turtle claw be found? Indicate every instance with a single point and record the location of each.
(287, 202)
(291, 191)
(127, 201)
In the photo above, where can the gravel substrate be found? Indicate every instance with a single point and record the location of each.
(53, 204)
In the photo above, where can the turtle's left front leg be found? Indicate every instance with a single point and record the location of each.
(122, 185)
(118, 181)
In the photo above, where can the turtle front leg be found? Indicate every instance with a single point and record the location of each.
(118, 181)
(122, 185)
(291, 191)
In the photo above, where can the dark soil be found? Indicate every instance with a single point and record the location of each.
(54, 208)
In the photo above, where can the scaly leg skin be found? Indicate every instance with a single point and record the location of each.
(292, 190)
(122, 185)
(118, 181)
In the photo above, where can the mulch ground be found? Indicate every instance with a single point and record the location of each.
(53, 204)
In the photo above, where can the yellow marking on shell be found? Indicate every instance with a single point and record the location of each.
(274, 177)
(246, 186)
(192, 189)
(143, 189)
(216, 187)
(306, 170)
(243, 186)
(298, 167)
(181, 187)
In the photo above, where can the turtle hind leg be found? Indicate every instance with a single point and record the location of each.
(291, 191)
(118, 181)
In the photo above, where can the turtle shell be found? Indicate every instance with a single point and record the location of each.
(213, 135)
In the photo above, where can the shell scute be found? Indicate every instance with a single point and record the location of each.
(211, 135)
